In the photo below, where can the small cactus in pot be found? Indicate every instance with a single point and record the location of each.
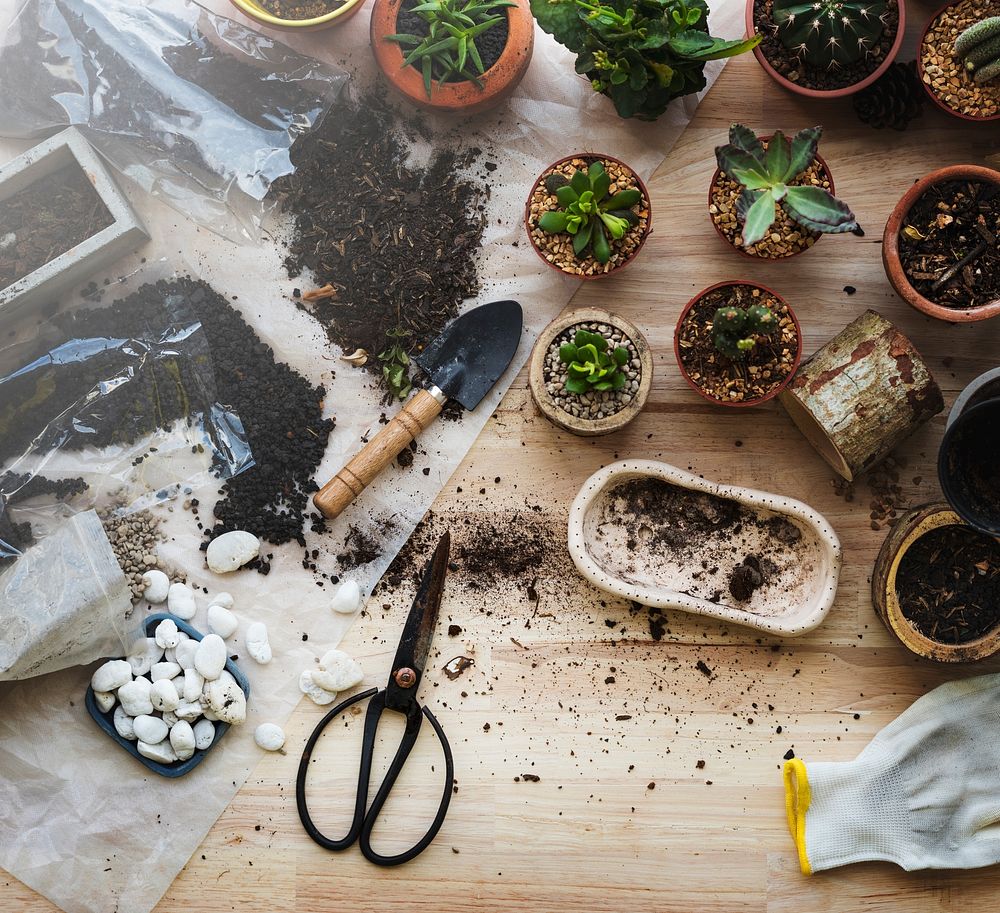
(828, 34)
(979, 49)
(735, 330)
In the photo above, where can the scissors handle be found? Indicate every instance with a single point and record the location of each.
(364, 820)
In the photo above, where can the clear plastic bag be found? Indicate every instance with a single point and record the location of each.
(198, 110)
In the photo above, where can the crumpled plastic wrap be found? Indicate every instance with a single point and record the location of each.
(198, 110)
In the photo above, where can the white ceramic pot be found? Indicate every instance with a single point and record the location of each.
(799, 590)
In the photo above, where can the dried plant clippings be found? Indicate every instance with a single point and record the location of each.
(318, 294)
(455, 667)
(358, 358)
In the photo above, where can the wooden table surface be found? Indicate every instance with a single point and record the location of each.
(570, 687)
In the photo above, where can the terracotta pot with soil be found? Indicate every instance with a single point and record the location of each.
(969, 466)
(652, 533)
(947, 73)
(588, 238)
(299, 15)
(555, 367)
(836, 49)
(739, 366)
(936, 586)
(504, 50)
(941, 245)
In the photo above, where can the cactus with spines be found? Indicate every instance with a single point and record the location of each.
(979, 49)
(828, 34)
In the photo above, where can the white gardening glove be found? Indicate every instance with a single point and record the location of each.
(924, 794)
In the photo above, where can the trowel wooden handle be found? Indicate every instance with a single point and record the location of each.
(420, 410)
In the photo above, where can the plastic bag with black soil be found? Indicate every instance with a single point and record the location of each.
(197, 109)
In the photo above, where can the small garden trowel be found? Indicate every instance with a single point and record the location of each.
(463, 364)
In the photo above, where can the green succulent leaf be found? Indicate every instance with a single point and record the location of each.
(805, 145)
(817, 209)
(580, 182)
(619, 381)
(616, 227)
(745, 139)
(567, 353)
(759, 219)
(743, 167)
(576, 385)
(624, 199)
(620, 355)
(582, 238)
(779, 156)
(599, 242)
(566, 195)
(554, 222)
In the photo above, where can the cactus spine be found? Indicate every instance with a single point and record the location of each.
(830, 33)
(979, 48)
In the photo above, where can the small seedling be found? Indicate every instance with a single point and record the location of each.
(979, 48)
(396, 365)
(588, 213)
(590, 365)
(735, 331)
(766, 175)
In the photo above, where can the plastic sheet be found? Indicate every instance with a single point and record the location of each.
(198, 110)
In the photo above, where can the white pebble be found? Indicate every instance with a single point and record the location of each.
(164, 696)
(157, 587)
(180, 601)
(313, 691)
(159, 751)
(134, 697)
(150, 729)
(111, 676)
(184, 653)
(170, 718)
(182, 740)
(338, 672)
(347, 599)
(204, 734)
(227, 701)
(210, 657)
(221, 621)
(194, 682)
(166, 634)
(143, 655)
(188, 710)
(269, 737)
(232, 550)
(207, 711)
(105, 700)
(164, 670)
(123, 724)
(257, 643)
(222, 599)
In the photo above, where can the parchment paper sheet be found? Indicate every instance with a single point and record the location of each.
(80, 820)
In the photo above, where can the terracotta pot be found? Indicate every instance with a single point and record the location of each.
(934, 97)
(589, 157)
(826, 93)
(543, 399)
(499, 81)
(908, 529)
(890, 246)
(337, 17)
(740, 250)
(746, 403)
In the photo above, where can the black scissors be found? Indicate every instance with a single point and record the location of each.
(399, 695)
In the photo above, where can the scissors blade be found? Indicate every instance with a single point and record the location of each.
(415, 644)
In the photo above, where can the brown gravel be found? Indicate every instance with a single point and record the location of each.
(558, 249)
(299, 9)
(943, 72)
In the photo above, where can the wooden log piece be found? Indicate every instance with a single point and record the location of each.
(860, 395)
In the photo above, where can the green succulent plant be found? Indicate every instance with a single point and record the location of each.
(830, 33)
(979, 48)
(591, 364)
(448, 51)
(640, 53)
(587, 211)
(735, 330)
(766, 175)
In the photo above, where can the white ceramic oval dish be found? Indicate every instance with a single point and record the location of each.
(803, 590)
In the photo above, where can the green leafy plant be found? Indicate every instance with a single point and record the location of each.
(766, 175)
(396, 365)
(588, 213)
(830, 33)
(591, 364)
(979, 48)
(735, 331)
(448, 51)
(640, 53)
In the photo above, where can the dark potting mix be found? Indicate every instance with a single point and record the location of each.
(490, 43)
(949, 245)
(299, 9)
(46, 219)
(948, 584)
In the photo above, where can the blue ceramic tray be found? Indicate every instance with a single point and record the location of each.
(178, 768)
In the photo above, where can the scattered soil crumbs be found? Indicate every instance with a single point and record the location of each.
(887, 497)
(490, 43)
(948, 584)
(395, 241)
(796, 70)
(299, 9)
(765, 368)
(949, 246)
(47, 219)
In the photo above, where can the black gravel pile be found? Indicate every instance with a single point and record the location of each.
(17, 487)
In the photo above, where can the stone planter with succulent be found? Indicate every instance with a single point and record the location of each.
(773, 197)
(588, 215)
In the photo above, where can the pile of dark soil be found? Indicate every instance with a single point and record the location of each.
(948, 584)
(45, 220)
(299, 9)
(949, 246)
(490, 43)
(15, 488)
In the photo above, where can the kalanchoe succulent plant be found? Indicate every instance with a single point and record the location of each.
(735, 330)
(979, 48)
(766, 175)
(588, 213)
(830, 33)
(640, 53)
(448, 51)
(590, 365)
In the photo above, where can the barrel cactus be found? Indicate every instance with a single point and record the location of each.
(828, 34)
(979, 48)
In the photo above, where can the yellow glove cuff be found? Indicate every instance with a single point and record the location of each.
(797, 799)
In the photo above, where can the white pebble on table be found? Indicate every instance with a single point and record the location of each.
(230, 551)
(164, 670)
(165, 634)
(180, 601)
(123, 724)
(269, 736)
(204, 734)
(227, 700)
(188, 710)
(222, 599)
(134, 697)
(221, 621)
(105, 700)
(184, 653)
(111, 676)
(144, 654)
(150, 729)
(157, 587)
(310, 689)
(210, 657)
(338, 671)
(347, 599)
(257, 643)
(163, 695)
(159, 751)
(182, 740)
(194, 682)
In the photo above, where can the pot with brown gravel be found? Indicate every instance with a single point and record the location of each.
(957, 59)
(591, 372)
(737, 344)
(588, 215)
(941, 245)
(477, 74)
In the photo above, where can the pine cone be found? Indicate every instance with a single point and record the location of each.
(893, 100)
